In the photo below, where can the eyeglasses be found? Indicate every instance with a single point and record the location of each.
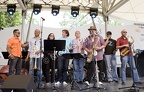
(17, 32)
(124, 32)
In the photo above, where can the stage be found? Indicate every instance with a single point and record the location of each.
(109, 87)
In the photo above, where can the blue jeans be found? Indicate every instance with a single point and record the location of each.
(111, 68)
(39, 69)
(131, 62)
(78, 69)
(62, 68)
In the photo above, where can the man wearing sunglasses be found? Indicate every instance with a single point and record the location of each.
(122, 44)
(14, 45)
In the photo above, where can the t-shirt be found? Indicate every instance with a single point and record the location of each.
(111, 46)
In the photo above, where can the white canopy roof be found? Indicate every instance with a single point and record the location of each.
(123, 9)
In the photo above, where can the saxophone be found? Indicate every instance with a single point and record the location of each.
(127, 50)
(94, 52)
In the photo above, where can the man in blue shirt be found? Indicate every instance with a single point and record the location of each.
(63, 62)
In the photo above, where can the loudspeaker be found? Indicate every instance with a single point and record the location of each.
(19, 83)
(140, 63)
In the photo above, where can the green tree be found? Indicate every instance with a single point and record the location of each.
(7, 20)
(82, 19)
(70, 21)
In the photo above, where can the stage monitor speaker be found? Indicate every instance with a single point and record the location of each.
(140, 63)
(20, 83)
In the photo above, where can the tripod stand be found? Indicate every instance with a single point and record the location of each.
(73, 56)
(54, 45)
(133, 88)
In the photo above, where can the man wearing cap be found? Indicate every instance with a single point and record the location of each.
(94, 42)
(122, 43)
(110, 58)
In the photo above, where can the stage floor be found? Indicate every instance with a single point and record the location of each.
(109, 87)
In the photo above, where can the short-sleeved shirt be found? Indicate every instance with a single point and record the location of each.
(75, 45)
(15, 46)
(110, 47)
(100, 41)
(122, 41)
(34, 45)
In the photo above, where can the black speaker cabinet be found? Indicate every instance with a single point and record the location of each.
(19, 83)
(140, 64)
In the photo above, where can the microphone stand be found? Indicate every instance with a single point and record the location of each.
(41, 48)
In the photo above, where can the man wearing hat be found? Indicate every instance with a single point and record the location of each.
(110, 58)
(94, 43)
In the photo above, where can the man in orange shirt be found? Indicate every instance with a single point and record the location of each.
(14, 45)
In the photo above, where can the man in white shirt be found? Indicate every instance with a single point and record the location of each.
(34, 52)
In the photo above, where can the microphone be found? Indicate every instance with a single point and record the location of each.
(42, 18)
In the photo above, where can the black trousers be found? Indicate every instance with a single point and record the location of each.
(49, 75)
(91, 70)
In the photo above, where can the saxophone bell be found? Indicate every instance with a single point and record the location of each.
(126, 50)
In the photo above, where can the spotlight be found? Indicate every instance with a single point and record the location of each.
(11, 8)
(74, 11)
(37, 9)
(55, 10)
(93, 12)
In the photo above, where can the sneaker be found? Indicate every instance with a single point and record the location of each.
(87, 83)
(115, 81)
(64, 83)
(57, 83)
(123, 83)
(100, 83)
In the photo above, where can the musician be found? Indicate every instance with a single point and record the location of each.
(50, 64)
(122, 43)
(14, 45)
(94, 42)
(63, 62)
(78, 63)
(34, 54)
(110, 57)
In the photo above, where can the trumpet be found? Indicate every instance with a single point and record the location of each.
(126, 50)
(94, 52)
(35, 65)
(34, 55)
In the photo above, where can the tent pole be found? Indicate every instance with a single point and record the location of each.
(29, 27)
(23, 24)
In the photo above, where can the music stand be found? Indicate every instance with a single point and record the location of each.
(5, 55)
(73, 56)
(54, 45)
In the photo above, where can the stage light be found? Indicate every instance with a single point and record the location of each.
(11, 8)
(55, 10)
(93, 12)
(74, 11)
(37, 9)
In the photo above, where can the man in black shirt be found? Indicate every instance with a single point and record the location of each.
(110, 57)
